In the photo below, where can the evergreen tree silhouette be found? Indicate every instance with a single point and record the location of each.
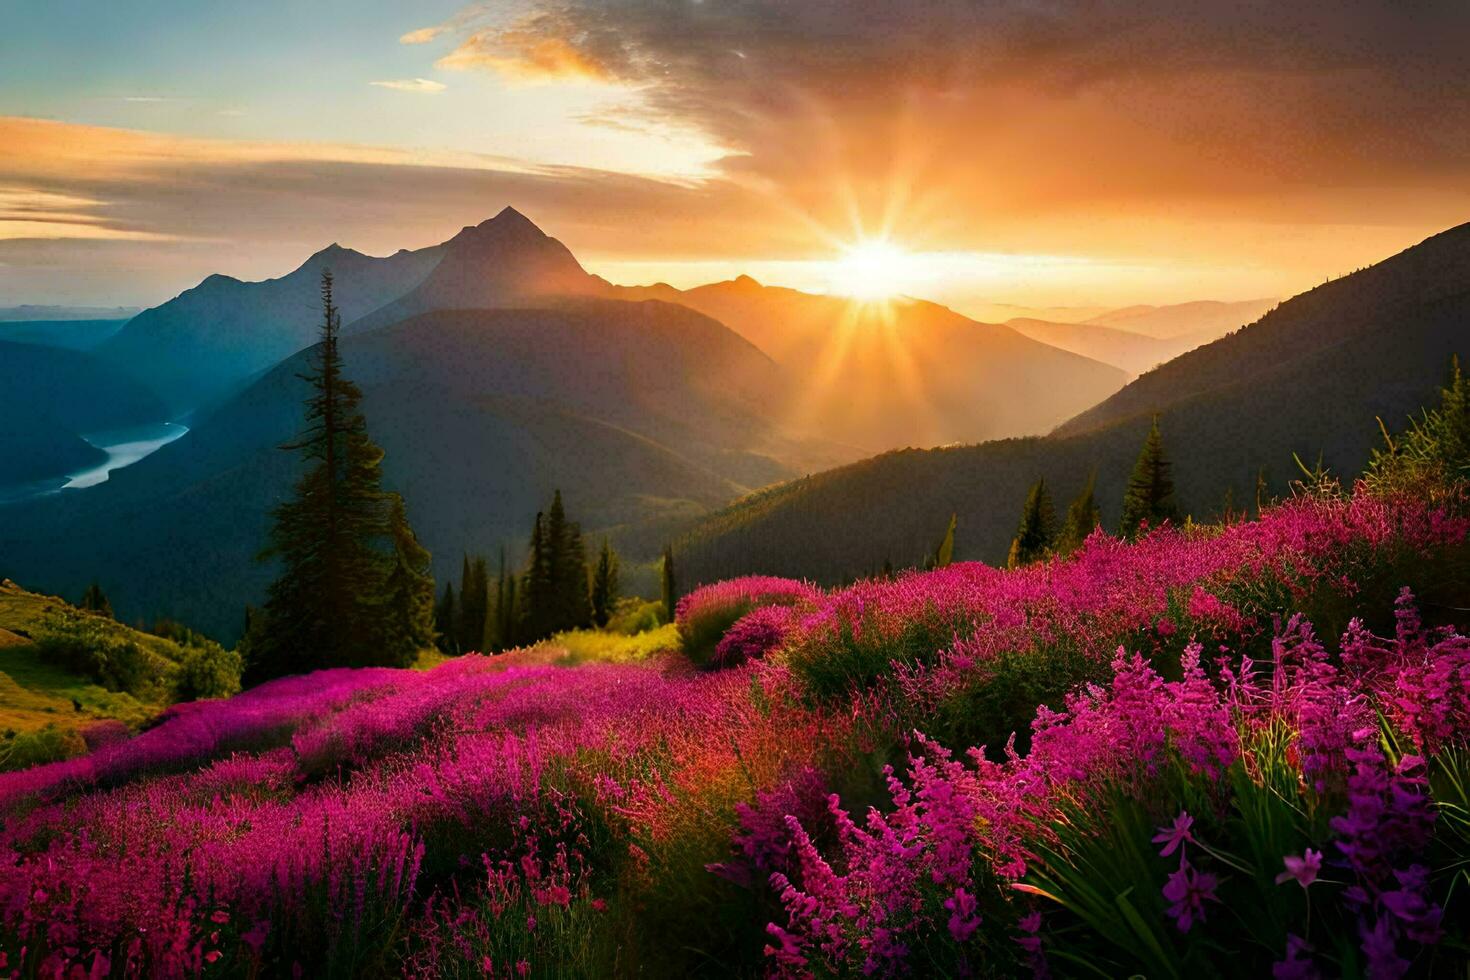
(1083, 517)
(1038, 527)
(604, 585)
(1149, 498)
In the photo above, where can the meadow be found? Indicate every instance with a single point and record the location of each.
(1245, 737)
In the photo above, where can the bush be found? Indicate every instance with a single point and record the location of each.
(705, 614)
(754, 635)
(94, 648)
(633, 615)
(21, 750)
(208, 671)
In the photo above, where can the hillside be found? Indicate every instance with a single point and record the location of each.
(71, 334)
(50, 398)
(1308, 378)
(207, 341)
(1205, 320)
(46, 704)
(646, 415)
(904, 373)
(1131, 352)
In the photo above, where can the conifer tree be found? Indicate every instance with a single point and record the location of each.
(1083, 517)
(574, 608)
(668, 590)
(1149, 499)
(445, 619)
(474, 597)
(409, 591)
(604, 585)
(536, 586)
(95, 601)
(1037, 530)
(334, 538)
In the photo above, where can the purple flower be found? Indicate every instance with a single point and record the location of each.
(1188, 890)
(1298, 964)
(1303, 869)
(1176, 836)
(963, 920)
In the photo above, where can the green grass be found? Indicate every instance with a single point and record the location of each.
(42, 699)
(600, 646)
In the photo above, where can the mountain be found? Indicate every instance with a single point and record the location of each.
(50, 398)
(71, 334)
(903, 373)
(31, 311)
(1309, 377)
(502, 262)
(208, 340)
(646, 415)
(1131, 352)
(1203, 319)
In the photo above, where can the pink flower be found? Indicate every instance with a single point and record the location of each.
(962, 920)
(523, 968)
(599, 905)
(1304, 869)
(1189, 890)
(1176, 836)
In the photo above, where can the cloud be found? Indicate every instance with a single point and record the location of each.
(422, 36)
(953, 116)
(423, 86)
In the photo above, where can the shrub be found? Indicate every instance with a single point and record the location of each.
(633, 615)
(754, 635)
(21, 750)
(705, 614)
(95, 648)
(208, 671)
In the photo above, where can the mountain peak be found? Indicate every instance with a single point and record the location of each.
(746, 282)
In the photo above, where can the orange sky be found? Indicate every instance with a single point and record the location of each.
(1031, 154)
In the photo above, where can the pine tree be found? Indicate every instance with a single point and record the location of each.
(474, 598)
(574, 606)
(95, 601)
(1149, 499)
(409, 590)
(604, 585)
(1038, 527)
(1083, 517)
(668, 591)
(944, 554)
(334, 539)
(536, 586)
(444, 621)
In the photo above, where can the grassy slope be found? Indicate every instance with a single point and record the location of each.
(34, 693)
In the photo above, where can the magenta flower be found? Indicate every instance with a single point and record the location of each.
(963, 920)
(1303, 869)
(1176, 836)
(1188, 890)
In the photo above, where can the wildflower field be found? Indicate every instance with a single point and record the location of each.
(1232, 750)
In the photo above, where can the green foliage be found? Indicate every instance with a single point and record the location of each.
(342, 542)
(93, 647)
(604, 585)
(943, 554)
(1433, 453)
(50, 743)
(1037, 530)
(632, 615)
(850, 659)
(93, 600)
(208, 671)
(554, 591)
(999, 698)
(602, 646)
(1083, 517)
(409, 589)
(1149, 498)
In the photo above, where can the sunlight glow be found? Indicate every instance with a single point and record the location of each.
(875, 269)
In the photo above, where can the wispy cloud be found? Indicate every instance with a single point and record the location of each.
(422, 36)
(422, 86)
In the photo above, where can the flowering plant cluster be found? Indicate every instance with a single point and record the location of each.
(704, 615)
(511, 816)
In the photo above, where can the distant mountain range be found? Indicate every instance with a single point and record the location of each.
(31, 311)
(1309, 377)
(901, 373)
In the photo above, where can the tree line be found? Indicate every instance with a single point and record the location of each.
(555, 589)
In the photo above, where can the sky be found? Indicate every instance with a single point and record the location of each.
(1007, 153)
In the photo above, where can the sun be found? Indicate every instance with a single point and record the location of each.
(873, 269)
